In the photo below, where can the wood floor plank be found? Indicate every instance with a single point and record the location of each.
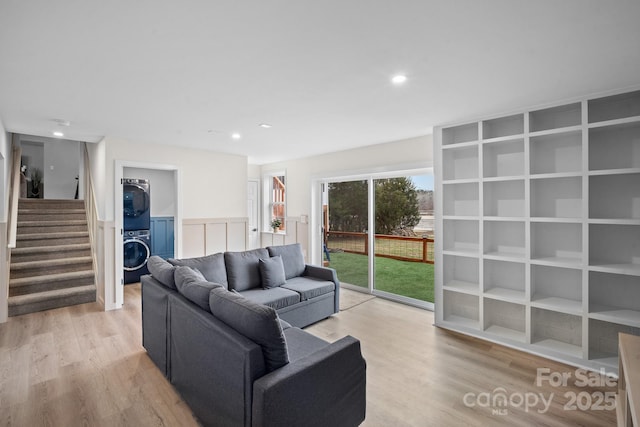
(80, 366)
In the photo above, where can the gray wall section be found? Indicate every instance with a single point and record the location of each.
(59, 161)
(33, 156)
(61, 167)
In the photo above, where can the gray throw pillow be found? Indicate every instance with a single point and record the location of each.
(272, 272)
(162, 271)
(192, 284)
(292, 259)
(243, 271)
(211, 266)
(255, 321)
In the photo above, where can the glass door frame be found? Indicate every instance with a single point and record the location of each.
(316, 237)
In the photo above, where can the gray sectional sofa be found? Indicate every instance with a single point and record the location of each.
(225, 330)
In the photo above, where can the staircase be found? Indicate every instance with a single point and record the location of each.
(51, 265)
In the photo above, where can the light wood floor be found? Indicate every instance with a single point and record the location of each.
(79, 366)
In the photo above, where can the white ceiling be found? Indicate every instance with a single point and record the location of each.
(192, 72)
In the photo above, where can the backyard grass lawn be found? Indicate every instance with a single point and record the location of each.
(411, 279)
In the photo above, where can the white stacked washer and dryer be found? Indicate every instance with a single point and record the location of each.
(137, 223)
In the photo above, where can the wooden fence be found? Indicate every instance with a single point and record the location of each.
(414, 249)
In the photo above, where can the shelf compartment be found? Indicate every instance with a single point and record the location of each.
(614, 248)
(557, 288)
(504, 239)
(504, 280)
(503, 126)
(556, 197)
(504, 198)
(614, 196)
(555, 117)
(460, 163)
(461, 309)
(557, 153)
(461, 236)
(503, 159)
(461, 199)
(505, 319)
(603, 341)
(459, 134)
(462, 274)
(615, 298)
(614, 147)
(614, 107)
(556, 242)
(559, 332)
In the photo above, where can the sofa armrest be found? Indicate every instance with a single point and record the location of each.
(324, 273)
(326, 388)
(329, 274)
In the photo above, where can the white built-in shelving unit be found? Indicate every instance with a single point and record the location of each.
(538, 228)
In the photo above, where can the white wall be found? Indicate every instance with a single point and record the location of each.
(98, 167)
(5, 171)
(214, 185)
(5, 168)
(417, 152)
(401, 155)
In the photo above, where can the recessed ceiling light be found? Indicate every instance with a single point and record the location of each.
(265, 125)
(235, 136)
(58, 134)
(398, 79)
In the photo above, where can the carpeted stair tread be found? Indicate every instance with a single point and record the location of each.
(49, 202)
(39, 236)
(50, 263)
(51, 223)
(50, 211)
(51, 278)
(58, 293)
(29, 303)
(52, 248)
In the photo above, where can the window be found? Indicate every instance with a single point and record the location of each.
(275, 208)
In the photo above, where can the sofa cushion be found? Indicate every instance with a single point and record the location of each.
(257, 322)
(292, 259)
(309, 287)
(162, 271)
(192, 284)
(272, 272)
(275, 298)
(243, 271)
(211, 266)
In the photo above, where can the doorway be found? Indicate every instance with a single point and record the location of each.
(253, 212)
(377, 232)
(165, 237)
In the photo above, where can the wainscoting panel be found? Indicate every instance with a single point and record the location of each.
(216, 238)
(237, 235)
(208, 236)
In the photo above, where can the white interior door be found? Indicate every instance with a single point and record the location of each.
(253, 203)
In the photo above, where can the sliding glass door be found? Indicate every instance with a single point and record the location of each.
(378, 235)
(346, 245)
(403, 243)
